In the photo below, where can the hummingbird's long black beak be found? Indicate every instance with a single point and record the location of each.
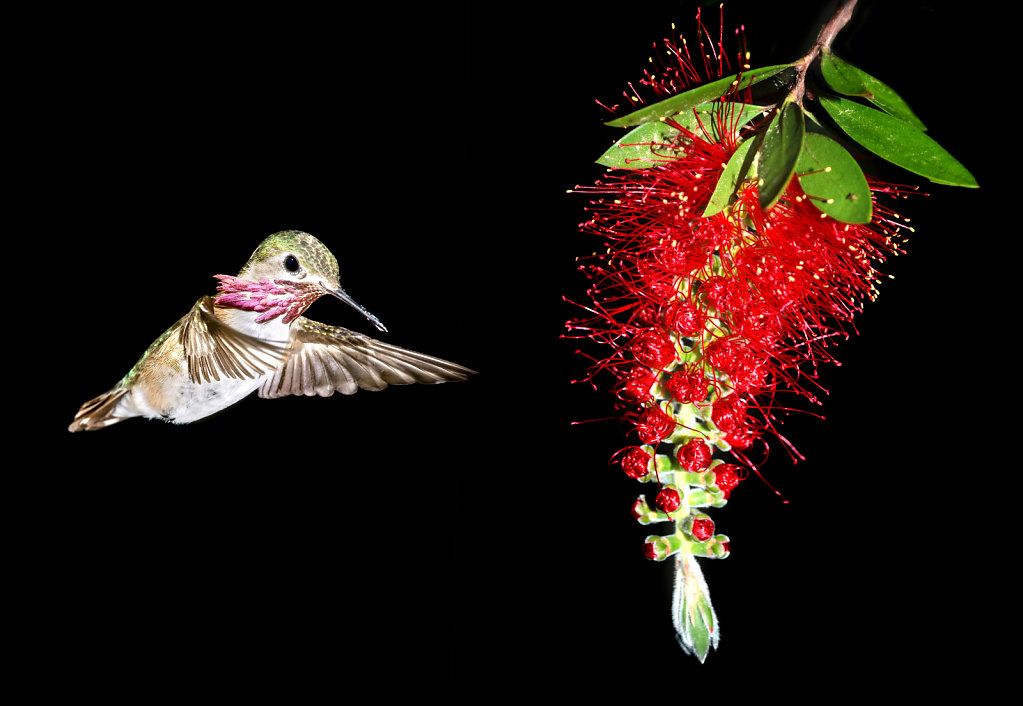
(343, 296)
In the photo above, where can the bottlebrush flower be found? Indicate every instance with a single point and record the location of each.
(738, 247)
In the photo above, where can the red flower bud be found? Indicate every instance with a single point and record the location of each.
(724, 353)
(639, 508)
(646, 316)
(749, 375)
(653, 425)
(694, 456)
(653, 349)
(685, 318)
(636, 386)
(729, 413)
(687, 385)
(725, 293)
(726, 477)
(636, 463)
(740, 439)
(702, 529)
(668, 500)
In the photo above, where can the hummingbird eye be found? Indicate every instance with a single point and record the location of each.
(291, 263)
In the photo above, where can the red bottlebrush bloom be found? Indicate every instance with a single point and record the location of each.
(724, 278)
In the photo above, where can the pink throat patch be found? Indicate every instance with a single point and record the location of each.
(271, 298)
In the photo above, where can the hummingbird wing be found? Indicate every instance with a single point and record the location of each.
(214, 349)
(321, 360)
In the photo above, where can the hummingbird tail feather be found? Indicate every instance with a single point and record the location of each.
(98, 412)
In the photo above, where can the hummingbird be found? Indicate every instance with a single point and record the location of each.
(251, 336)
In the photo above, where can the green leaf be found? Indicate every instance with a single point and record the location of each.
(832, 177)
(841, 75)
(655, 142)
(897, 141)
(686, 101)
(783, 142)
(696, 624)
(730, 115)
(735, 171)
(643, 147)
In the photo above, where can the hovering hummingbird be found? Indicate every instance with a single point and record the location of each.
(252, 336)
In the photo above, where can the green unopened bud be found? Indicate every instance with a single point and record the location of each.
(659, 548)
(714, 548)
(698, 497)
(643, 514)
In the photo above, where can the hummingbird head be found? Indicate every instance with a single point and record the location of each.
(293, 256)
(286, 273)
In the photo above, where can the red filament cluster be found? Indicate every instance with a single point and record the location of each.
(707, 320)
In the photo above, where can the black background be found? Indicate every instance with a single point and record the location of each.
(465, 538)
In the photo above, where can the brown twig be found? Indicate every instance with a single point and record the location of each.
(824, 40)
